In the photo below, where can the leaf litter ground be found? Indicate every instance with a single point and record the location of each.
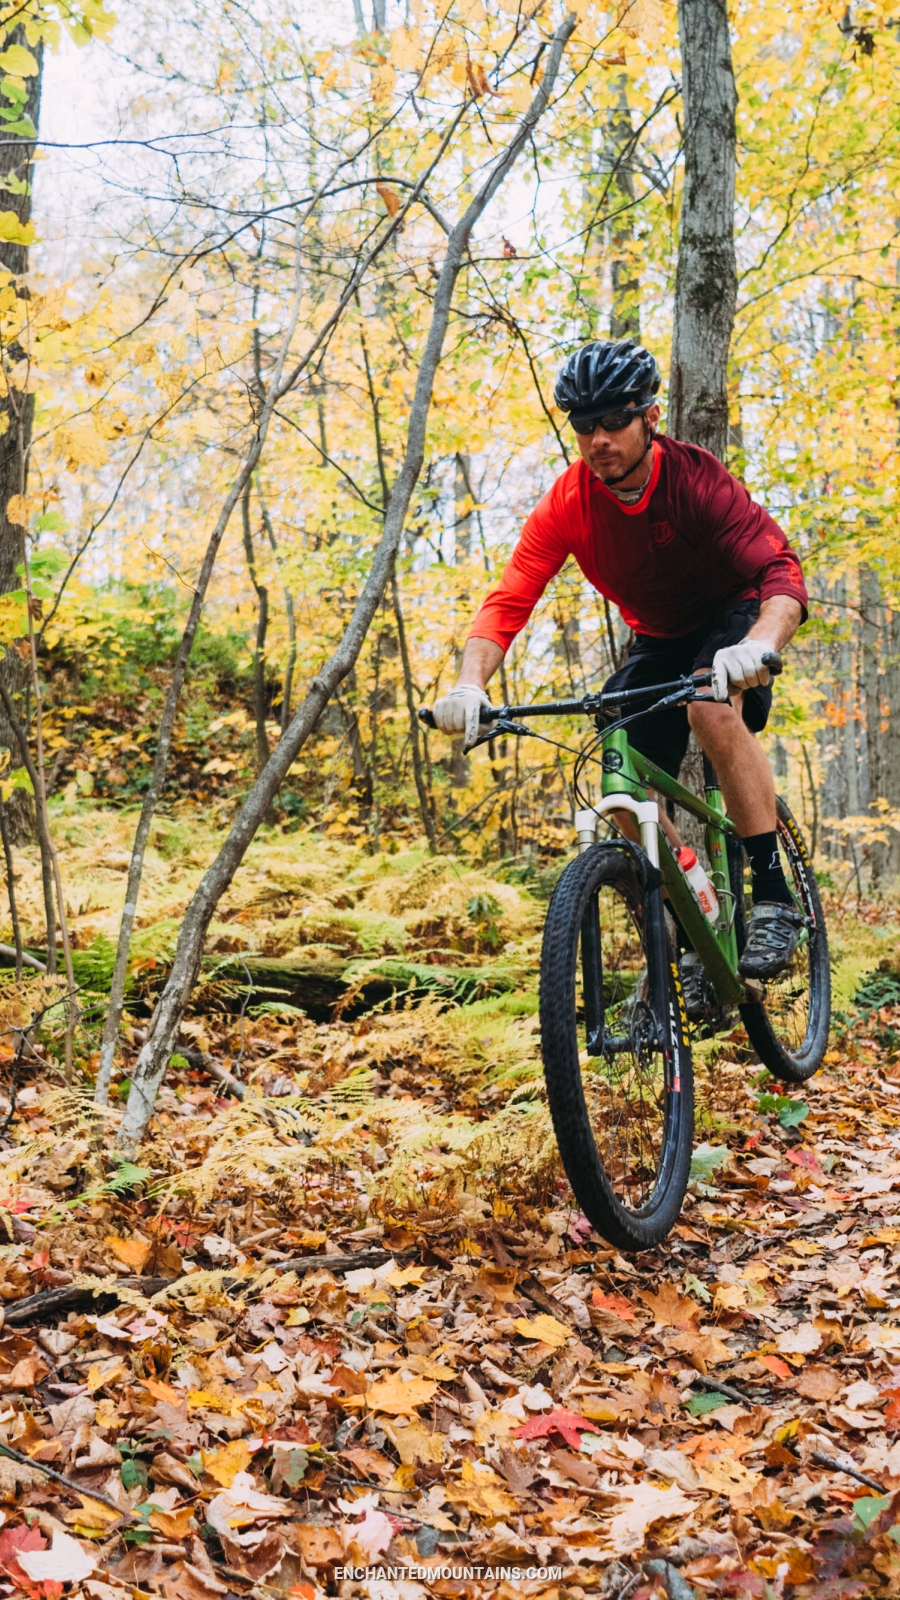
(483, 1383)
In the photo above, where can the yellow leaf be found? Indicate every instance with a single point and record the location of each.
(225, 1464)
(297, 1317)
(205, 1398)
(482, 1497)
(79, 442)
(416, 1443)
(104, 1373)
(404, 1479)
(400, 1396)
(19, 508)
(398, 1280)
(12, 231)
(19, 61)
(406, 50)
(131, 1252)
(544, 1328)
(493, 1425)
(93, 1514)
(730, 1296)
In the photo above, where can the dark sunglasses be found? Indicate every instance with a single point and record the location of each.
(610, 422)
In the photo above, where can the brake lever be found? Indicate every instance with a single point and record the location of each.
(502, 726)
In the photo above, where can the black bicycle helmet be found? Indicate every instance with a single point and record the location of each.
(605, 375)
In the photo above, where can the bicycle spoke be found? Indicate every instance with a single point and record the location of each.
(624, 1086)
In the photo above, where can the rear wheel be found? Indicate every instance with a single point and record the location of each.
(789, 1027)
(616, 1057)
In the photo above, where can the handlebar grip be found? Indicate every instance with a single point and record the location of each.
(488, 714)
(773, 661)
(426, 715)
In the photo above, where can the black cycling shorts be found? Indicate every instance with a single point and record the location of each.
(663, 735)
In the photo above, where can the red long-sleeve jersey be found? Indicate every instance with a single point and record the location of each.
(693, 545)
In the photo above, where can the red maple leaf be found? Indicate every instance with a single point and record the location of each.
(565, 1422)
(12, 1540)
(613, 1302)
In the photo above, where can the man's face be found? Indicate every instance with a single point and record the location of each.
(612, 455)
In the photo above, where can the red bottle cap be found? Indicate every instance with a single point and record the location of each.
(687, 858)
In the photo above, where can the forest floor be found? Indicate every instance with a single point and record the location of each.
(231, 1406)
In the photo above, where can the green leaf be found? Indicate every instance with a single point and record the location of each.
(867, 1508)
(45, 563)
(25, 128)
(790, 1112)
(132, 1473)
(178, 1061)
(49, 522)
(297, 1462)
(793, 1113)
(700, 1404)
(705, 1161)
(694, 1286)
(127, 1177)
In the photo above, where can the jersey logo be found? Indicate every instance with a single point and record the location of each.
(661, 533)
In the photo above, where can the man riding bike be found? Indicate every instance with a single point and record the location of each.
(703, 576)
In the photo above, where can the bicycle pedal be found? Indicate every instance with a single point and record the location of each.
(756, 989)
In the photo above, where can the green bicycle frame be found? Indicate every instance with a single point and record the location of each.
(626, 771)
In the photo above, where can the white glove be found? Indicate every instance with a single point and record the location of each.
(459, 712)
(740, 666)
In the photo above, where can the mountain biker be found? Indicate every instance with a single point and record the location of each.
(699, 571)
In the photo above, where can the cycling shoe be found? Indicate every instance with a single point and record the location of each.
(773, 934)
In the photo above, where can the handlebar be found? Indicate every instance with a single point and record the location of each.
(592, 704)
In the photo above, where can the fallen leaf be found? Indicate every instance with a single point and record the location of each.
(545, 1329)
(318, 1547)
(703, 1349)
(616, 1303)
(804, 1340)
(14, 1540)
(173, 1524)
(132, 1253)
(225, 1464)
(775, 1365)
(372, 1535)
(641, 1507)
(672, 1309)
(566, 1423)
(417, 1443)
(818, 1383)
(400, 1397)
(65, 1562)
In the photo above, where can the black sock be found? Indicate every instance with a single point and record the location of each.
(769, 882)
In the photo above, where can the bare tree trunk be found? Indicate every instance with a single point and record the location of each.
(870, 618)
(260, 706)
(706, 277)
(412, 708)
(892, 738)
(11, 888)
(625, 316)
(462, 496)
(163, 1031)
(16, 175)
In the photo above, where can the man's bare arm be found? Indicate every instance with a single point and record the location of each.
(778, 621)
(480, 660)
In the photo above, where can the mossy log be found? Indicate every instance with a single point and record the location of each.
(325, 988)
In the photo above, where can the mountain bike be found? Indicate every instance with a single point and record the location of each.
(614, 1030)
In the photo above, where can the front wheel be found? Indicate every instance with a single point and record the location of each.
(616, 1057)
(788, 1029)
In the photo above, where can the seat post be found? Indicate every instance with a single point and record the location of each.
(710, 781)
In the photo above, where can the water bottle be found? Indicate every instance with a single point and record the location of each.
(699, 882)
